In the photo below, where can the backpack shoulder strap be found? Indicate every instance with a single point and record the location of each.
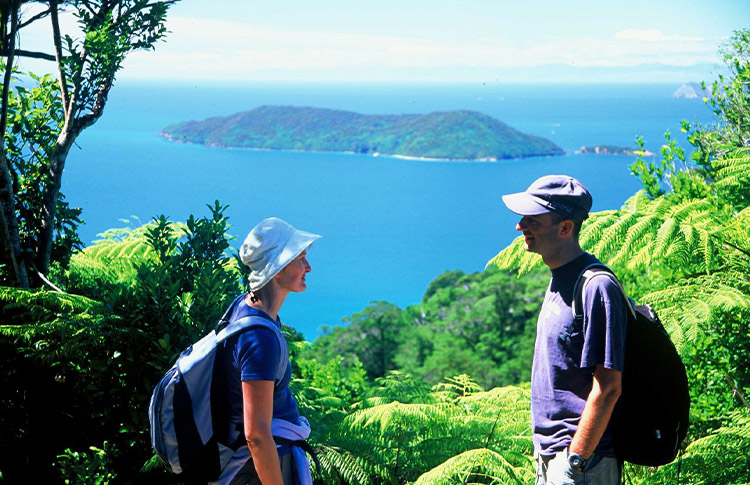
(244, 323)
(228, 327)
(579, 290)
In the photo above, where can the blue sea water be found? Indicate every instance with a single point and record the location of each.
(390, 226)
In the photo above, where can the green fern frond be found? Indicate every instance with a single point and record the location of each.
(659, 207)
(386, 415)
(639, 235)
(688, 308)
(640, 259)
(611, 240)
(515, 257)
(732, 170)
(478, 466)
(337, 463)
(689, 208)
(130, 248)
(453, 388)
(594, 227)
(720, 457)
(21, 306)
(665, 237)
(637, 202)
(706, 246)
(690, 235)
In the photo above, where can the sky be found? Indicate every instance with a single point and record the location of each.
(431, 41)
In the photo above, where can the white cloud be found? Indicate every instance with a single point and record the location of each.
(199, 48)
(653, 35)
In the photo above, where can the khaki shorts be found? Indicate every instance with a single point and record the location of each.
(555, 470)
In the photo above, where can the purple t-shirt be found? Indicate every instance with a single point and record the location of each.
(567, 351)
(254, 355)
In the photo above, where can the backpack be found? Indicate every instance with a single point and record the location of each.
(189, 407)
(652, 414)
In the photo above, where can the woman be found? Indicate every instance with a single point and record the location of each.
(257, 362)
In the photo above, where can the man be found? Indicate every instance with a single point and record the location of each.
(577, 371)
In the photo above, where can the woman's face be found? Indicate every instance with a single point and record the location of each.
(292, 277)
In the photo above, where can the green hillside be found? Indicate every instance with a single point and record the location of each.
(456, 135)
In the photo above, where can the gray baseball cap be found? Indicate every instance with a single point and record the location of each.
(552, 193)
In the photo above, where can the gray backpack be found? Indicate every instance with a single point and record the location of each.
(189, 404)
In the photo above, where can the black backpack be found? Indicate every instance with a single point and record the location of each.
(654, 407)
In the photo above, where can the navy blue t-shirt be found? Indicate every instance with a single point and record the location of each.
(567, 351)
(254, 355)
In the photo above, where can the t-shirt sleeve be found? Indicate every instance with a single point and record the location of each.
(605, 320)
(258, 354)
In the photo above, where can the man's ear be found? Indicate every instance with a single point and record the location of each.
(566, 228)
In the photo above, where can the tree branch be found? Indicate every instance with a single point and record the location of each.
(59, 57)
(141, 8)
(736, 391)
(36, 17)
(45, 280)
(31, 54)
(743, 251)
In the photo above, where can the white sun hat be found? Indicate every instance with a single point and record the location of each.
(269, 247)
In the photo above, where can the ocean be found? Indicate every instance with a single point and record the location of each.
(389, 225)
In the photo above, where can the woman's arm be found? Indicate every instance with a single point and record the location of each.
(257, 397)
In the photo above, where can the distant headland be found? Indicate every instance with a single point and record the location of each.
(613, 150)
(451, 135)
(690, 91)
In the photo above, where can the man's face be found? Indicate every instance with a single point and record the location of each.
(540, 233)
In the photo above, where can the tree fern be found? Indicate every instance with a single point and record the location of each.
(479, 466)
(595, 226)
(638, 236)
(340, 465)
(687, 308)
(515, 257)
(733, 170)
(30, 306)
(397, 441)
(720, 457)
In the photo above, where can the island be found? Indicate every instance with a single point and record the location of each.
(452, 135)
(690, 91)
(613, 150)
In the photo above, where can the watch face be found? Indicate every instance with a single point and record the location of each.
(576, 461)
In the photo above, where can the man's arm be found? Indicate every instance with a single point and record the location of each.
(601, 401)
(257, 397)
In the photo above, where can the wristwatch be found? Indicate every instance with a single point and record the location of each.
(576, 461)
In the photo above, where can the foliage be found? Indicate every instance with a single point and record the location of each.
(459, 135)
(43, 123)
(150, 292)
(86, 468)
(417, 436)
(492, 314)
(35, 113)
(58, 385)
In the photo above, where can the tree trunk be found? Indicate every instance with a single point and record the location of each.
(9, 231)
(50, 194)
